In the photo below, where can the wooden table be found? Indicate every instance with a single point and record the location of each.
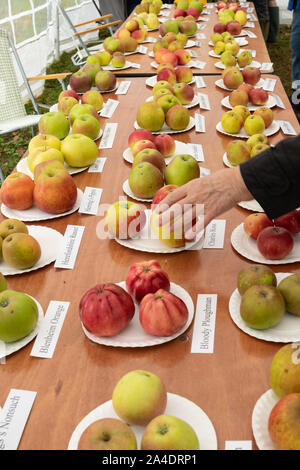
(258, 44)
(81, 375)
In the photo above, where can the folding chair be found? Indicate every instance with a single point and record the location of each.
(13, 113)
(79, 58)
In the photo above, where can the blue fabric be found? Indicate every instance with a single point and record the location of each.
(295, 48)
(294, 5)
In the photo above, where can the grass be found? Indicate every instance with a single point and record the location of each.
(14, 145)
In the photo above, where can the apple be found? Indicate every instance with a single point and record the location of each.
(150, 116)
(139, 35)
(255, 274)
(54, 123)
(262, 306)
(166, 432)
(284, 370)
(146, 277)
(107, 434)
(179, 12)
(167, 26)
(232, 79)
(219, 47)
(166, 74)
(118, 60)
(184, 93)
(80, 82)
(238, 97)
(245, 86)
(66, 104)
(151, 156)
(104, 57)
(257, 149)
(165, 144)
(93, 59)
(242, 110)
(290, 221)
(183, 56)
(237, 152)
(94, 98)
(44, 140)
(79, 150)
(17, 191)
(142, 144)
(241, 17)
(266, 113)
(257, 139)
(167, 101)
(255, 223)
(244, 59)
(145, 179)
(251, 75)
(219, 28)
(81, 110)
(124, 219)
(87, 125)
(194, 12)
(231, 122)
(254, 124)
(111, 44)
(10, 226)
(162, 193)
(68, 93)
(132, 25)
(3, 283)
(21, 250)
(105, 80)
(289, 288)
(130, 44)
(182, 38)
(106, 309)
(47, 165)
(188, 27)
(139, 134)
(178, 117)
(234, 27)
(228, 59)
(164, 65)
(184, 74)
(216, 37)
(18, 315)
(283, 423)
(139, 396)
(162, 84)
(275, 242)
(258, 96)
(181, 170)
(43, 154)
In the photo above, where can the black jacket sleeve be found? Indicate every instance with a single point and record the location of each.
(273, 177)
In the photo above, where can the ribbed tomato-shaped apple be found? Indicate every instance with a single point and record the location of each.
(162, 313)
(106, 309)
(146, 278)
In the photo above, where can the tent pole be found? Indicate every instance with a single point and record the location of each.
(57, 33)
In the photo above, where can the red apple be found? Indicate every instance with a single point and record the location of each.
(284, 424)
(219, 28)
(162, 193)
(255, 223)
(162, 313)
(233, 27)
(139, 134)
(146, 277)
(258, 96)
(68, 93)
(251, 75)
(106, 309)
(246, 87)
(179, 12)
(165, 144)
(275, 242)
(290, 221)
(141, 145)
(17, 191)
(193, 12)
(266, 113)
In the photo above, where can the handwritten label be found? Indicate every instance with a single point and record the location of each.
(279, 101)
(142, 50)
(249, 24)
(150, 39)
(46, 340)
(200, 36)
(108, 135)
(123, 87)
(214, 234)
(134, 65)
(204, 324)
(97, 166)
(198, 64)
(250, 10)
(251, 34)
(200, 83)
(203, 19)
(199, 122)
(196, 150)
(201, 27)
(252, 17)
(193, 53)
(203, 101)
(269, 84)
(13, 417)
(238, 445)
(68, 252)
(266, 66)
(90, 201)
(287, 128)
(109, 108)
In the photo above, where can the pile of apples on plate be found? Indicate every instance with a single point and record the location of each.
(229, 14)
(106, 309)
(181, 24)
(234, 78)
(18, 248)
(253, 123)
(139, 400)
(170, 41)
(178, 57)
(188, 9)
(275, 239)
(239, 150)
(91, 75)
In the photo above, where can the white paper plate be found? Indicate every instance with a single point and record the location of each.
(23, 168)
(34, 214)
(180, 149)
(176, 406)
(252, 205)
(220, 84)
(252, 107)
(260, 420)
(254, 63)
(148, 242)
(286, 331)
(97, 89)
(151, 81)
(115, 69)
(247, 247)
(272, 129)
(50, 241)
(167, 130)
(10, 348)
(193, 103)
(127, 190)
(134, 336)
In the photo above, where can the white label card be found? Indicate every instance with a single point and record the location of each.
(150, 39)
(196, 150)
(70, 246)
(193, 53)
(287, 128)
(46, 340)
(251, 34)
(203, 19)
(198, 64)
(279, 101)
(97, 166)
(266, 66)
(109, 108)
(134, 65)
(202, 26)
(204, 101)
(215, 234)
(249, 24)
(238, 445)
(253, 52)
(142, 50)
(199, 122)
(269, 84)
(123, 87)
(13, 417)
(200, 36)
(252, 17)
(108, 137)
(204, 324)
(200, 83)
(90, 201)
(250, 10)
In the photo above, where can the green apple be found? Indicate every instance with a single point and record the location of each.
(118, 60)
(139, 396)
(3, 283)
(104, 57)
(145, 179)
(1, 241)
(87, 125)
(166, 432)
(257, 139)
(219, 47)
(81, 109)
(21, 250)
(79, 150)
(285, 370)
(290, 289)
(18, 315)
(228, 58)
(150, 116)
(254, 124)
(167, 101)
(107, 434)
(43, 154)
(231, 122)
(262, 306)
(181, 170)
(216, 37)
(10, 226)
(255, 274)
(54, 123)
(93, 59)
(178, 117)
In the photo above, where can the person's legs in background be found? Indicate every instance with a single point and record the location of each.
(274, 21)
(262, 10)
(295, 48)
